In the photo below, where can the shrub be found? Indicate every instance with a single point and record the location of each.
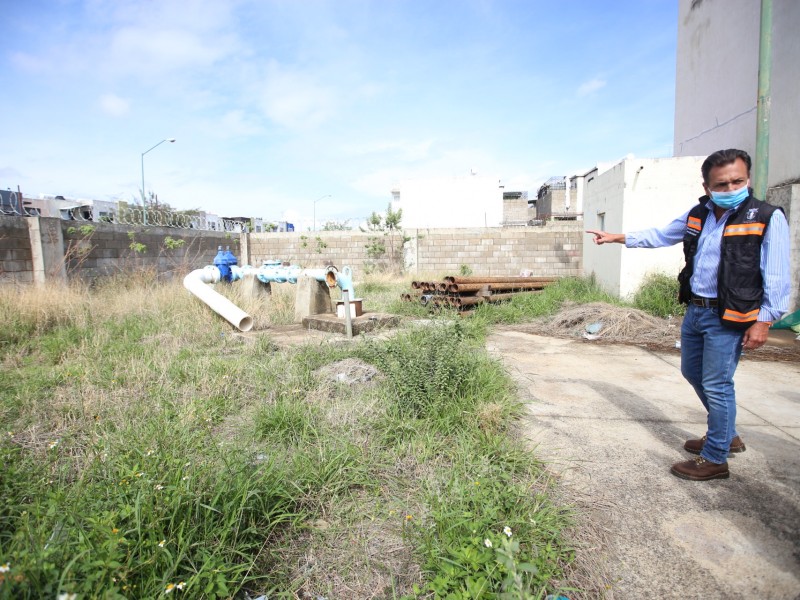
(658, 296)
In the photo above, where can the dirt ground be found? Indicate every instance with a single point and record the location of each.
(617, 325)
(609, 415)
(608, 411)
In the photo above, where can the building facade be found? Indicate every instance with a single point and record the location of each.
(460, 201)
(716, 93)
(635, 194)
(715, 107)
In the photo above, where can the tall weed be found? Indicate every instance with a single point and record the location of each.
(431, 370)
(148, 449)
(658, 296)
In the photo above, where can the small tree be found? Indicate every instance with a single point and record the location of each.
(389, 227)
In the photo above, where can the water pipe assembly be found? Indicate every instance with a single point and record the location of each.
(226, 269)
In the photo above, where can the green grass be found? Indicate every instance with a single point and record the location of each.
(145, 446)
(580, 290)
(658, 296)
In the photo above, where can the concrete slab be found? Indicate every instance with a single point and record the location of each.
(370, 321)
(611, 420)
(778, 404)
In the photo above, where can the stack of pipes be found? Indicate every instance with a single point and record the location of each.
(465, 292)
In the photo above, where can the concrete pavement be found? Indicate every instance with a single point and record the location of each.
(611, 419)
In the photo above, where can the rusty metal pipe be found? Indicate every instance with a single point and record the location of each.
(458, 279)
(462, 302)
(502, 287)
(468, 301)
(457, 288)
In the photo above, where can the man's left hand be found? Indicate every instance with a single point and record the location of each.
(756, 335)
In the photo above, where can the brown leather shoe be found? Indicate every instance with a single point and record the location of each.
(696, 446)
(699, 469)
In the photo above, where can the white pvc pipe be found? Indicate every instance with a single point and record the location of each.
(196, 282)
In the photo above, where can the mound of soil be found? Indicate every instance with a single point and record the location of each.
(605, 323)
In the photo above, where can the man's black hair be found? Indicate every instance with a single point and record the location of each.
(724, 157)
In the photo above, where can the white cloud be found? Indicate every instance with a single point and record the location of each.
(402, 150)
(113, 105)
(238, 123)
(29, 63)
(591, 86)
(296, 99)
(378, 184)
(145, 51)
(11, 174)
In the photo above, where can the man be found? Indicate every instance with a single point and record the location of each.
(735, 282)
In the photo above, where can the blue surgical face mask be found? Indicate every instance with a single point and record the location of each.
(731, 199)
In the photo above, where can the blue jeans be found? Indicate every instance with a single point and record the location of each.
(709, 355)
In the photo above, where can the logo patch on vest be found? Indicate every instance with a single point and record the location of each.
(751, 214)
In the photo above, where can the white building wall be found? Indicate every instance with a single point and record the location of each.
(716, 84)
(603, 197)
(464, 201)
(637, 194)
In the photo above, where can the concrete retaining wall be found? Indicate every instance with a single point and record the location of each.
(551, 250)
(110, 248)
(15, 251)
(37, 249)
(312, 250)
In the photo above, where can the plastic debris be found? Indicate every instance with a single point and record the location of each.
(789, 321)
(594, 328)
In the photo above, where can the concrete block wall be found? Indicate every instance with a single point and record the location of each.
(553, 250)
(40, 249)
(90, 250)
(554, 202)
(107, 249)
(16, 265)
(788, 198)
(516, 210)
(313, 250)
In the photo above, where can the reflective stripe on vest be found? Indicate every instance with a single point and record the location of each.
(745, 229)
(732, 315)
(694, 223)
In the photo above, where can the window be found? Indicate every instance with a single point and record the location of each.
(601, 221)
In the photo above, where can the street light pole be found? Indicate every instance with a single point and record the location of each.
(315, 208)
(144, 200)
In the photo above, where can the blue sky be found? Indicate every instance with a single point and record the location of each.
(276, 103)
